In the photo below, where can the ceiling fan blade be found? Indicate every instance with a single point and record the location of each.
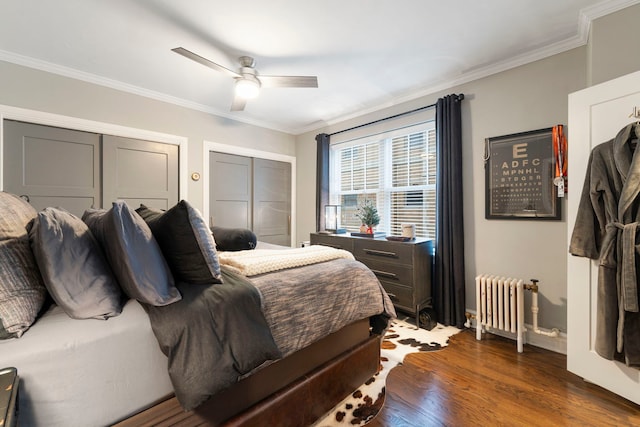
(288, 81)
(238, 103)
(204, 61)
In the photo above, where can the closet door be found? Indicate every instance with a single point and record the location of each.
(272, 201)
(230, 188)
(596, 114)
(52, 166)
(139, 172)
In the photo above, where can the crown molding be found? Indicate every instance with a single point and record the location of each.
(60, 70)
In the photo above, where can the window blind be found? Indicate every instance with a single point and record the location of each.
(396, 171)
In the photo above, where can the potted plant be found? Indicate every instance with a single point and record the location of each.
(368, 215)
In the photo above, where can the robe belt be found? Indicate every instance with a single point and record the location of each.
(629, 284)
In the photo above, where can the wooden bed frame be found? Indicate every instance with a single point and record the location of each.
(294, 391)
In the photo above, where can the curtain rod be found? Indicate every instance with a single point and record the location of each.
(460, 98)
(383, 119)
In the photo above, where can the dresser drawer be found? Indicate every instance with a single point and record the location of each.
(389, 272)
(401, 296)
(383, 250)
(332, 241)
(403, 268)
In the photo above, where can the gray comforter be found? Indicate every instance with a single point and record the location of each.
(307, 303)
(211, 337)
(220, 333)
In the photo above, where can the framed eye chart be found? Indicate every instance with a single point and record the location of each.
(519, 176)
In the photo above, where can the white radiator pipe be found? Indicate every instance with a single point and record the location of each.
(478, 312)
(520, 322)
(534, 309)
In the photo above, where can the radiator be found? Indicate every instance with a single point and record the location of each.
(500, 305)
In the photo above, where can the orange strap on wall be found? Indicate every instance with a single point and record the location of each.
(560, 153)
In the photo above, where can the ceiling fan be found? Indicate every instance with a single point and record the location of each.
(248, 82)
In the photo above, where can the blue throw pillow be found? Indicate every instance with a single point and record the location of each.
(133, 254)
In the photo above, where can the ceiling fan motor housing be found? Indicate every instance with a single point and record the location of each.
(247, 61)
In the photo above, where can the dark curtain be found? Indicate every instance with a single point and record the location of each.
(322, 178)
(448, 287)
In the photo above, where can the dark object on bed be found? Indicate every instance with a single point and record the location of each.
(8, 397)
(234, 239)
(293, 391)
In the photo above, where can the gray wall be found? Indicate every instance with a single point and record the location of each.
(613, 47)
(529, 97)
(37, 90)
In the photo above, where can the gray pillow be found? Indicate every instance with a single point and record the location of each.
(133, 254)
(22, 291)
(186, 242)
(73, 267)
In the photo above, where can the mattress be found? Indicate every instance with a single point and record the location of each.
(117, 363)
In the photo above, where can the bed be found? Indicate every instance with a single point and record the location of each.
(96, 372)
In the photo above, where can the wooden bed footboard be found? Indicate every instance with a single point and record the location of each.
(294, 391)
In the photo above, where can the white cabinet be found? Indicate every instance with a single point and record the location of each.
(596, 114)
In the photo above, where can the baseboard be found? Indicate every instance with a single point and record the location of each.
(556, 344)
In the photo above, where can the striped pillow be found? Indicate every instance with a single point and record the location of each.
(22, 290)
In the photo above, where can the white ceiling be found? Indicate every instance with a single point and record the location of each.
(367, 54)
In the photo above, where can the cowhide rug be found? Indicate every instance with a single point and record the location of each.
(401, 339)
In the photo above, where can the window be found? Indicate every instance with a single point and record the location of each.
(396, 171)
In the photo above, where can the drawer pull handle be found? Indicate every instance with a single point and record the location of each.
(385, 274)
(392, 296)
(381, 253)
(331, 246)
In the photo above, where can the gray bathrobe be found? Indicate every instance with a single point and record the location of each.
(605, 229)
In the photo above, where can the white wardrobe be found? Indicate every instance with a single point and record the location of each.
(596, 114)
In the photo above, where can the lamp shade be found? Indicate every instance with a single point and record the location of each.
(332, 214)
(247, 88)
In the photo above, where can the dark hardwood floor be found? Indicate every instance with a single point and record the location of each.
(487, 383)
(476, 383)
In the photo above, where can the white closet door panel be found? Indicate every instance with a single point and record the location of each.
(596, 114)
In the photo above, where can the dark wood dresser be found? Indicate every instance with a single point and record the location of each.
(403, 268)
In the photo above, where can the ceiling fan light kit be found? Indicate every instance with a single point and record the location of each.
(247, 88)
(247, 82)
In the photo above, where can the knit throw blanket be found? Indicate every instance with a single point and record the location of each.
(259, 261)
